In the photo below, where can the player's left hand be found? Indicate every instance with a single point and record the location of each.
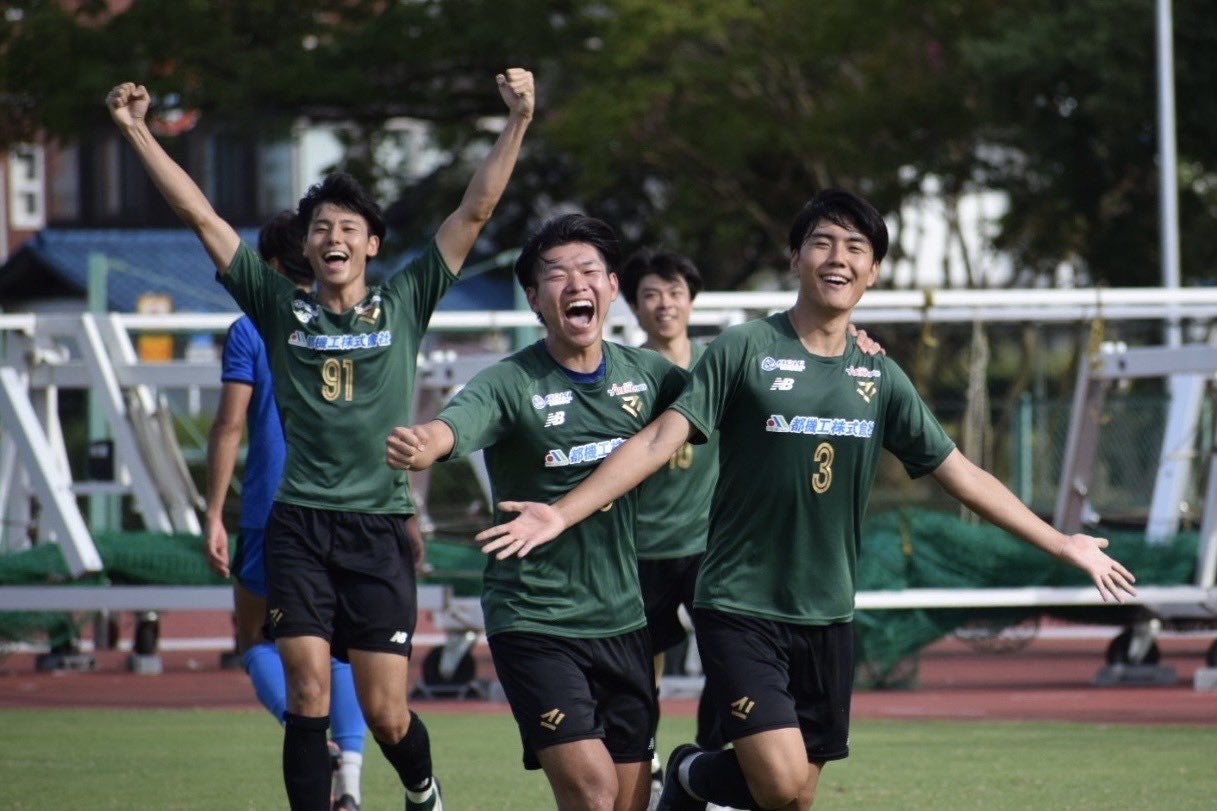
(516, 88)
(536, 524)
(867, 344)
(1109, 575)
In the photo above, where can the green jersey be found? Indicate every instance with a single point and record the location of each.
(800, 442)
(674, 502)
(343, 381)
(544, 432)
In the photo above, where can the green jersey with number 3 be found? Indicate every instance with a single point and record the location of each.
(543, 433)
(343, 381)
(800, 437)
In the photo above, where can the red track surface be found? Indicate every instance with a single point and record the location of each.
(1048, 680)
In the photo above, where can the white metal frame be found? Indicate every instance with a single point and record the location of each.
(113, 371)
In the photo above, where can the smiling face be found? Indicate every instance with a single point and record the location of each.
(338, 246)
(835, 266)
(572, 296)
(662, 306)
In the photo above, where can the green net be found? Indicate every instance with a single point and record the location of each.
(901, 549)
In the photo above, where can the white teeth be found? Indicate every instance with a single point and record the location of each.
(335, 255)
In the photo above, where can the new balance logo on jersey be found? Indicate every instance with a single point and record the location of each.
(867, 389)
(550, 720)
(741, 707)
(555, 418)
(399, 638)
(782, 384)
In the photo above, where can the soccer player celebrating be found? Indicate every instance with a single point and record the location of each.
(247, 398)
(566, 627)
(802, 416)
(339, 564)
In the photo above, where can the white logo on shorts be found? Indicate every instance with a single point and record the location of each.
(399, 638)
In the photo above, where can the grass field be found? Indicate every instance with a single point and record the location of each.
(206, 759)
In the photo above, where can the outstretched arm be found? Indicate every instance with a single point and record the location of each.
(980, 492)
(460, 230)
(222, 445)
(418, 447)
(622, 471)
(128, 105)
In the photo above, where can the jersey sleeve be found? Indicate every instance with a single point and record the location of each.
(711, 385)
(254, 284)
(480, 413)
(911, 431)
(240, 359)
(422, 283)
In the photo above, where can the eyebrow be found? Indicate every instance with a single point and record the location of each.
(851, 236)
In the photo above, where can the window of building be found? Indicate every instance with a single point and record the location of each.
(27, 187)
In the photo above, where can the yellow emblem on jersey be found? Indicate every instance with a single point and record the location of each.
(867, 389)
(632, 404)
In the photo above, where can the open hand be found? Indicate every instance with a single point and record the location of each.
(1109, 575)
(536, 524)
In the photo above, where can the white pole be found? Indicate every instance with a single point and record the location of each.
(1168, 206)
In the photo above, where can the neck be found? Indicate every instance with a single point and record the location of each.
(678, 349)
(341, 299)
(820, 333)
(583, 359)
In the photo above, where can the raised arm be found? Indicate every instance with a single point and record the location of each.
(460, 230)
(980, 492)
(639, 457)
(128, 105)
(223, 444)
(419, 446)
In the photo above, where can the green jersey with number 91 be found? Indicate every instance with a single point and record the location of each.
(800, 438)
(343, 381)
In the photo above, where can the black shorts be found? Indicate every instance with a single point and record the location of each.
(667, 584)
(564, 689)
(773, 675)
(343, 576)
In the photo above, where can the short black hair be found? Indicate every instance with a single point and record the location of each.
(845, 209)
(667, 265)
(564, 230)
(344, 191)
(282, 238)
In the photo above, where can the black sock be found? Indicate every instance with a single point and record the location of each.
(306, 762)
(717, 778)
(411, 756)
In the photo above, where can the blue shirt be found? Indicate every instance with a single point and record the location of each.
(245, 362)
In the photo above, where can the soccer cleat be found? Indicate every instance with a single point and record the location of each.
(346, 803)
(674, 797)
(434, 801)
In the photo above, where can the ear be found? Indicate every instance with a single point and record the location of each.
(873, 276)
(373, 245)
(614, 285)
(530, 293)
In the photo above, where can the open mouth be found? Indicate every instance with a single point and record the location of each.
(335, 258)
(580, 313)
(835, 280)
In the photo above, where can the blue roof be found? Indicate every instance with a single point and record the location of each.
(173, 262)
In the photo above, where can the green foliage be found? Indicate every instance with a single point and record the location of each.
(701, 124)
(190, 760)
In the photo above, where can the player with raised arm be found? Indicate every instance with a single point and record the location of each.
(339, 563)
(247, 400)
(566, 627)
(802, 416)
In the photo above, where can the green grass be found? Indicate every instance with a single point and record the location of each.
(206, 759)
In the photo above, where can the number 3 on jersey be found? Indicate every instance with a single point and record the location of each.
(821, 480)
(338, 379)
